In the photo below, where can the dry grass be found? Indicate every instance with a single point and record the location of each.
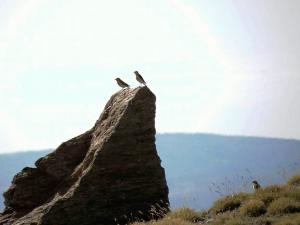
(253, 208)
(287, 222)
(294, 193)
(269, 194)
(293, 219)
(187, 214)
(272, 205)
(228, 203)
(167, 221)
(294, 180)
(284, 205)
(182, 216)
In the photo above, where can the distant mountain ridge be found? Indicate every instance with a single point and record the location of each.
(199, 167)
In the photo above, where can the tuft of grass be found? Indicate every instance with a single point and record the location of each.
(166, 221)
(294, 194)
(228, 203)
(269, 194)
(294, 180)
(291, 220)
(272, 205)
(253, 208)
(283, 205)
(182, 216)
(235, 221)
(247, 221)
(187, 214)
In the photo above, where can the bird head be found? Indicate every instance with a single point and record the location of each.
(136, 72)
(117, 78)
(254, 182)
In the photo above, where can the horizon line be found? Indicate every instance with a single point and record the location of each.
(164, 133)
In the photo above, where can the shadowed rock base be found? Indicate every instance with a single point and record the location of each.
(109, 175)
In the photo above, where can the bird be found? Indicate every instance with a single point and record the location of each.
(139, 78)
(256, 185)
(121, 83)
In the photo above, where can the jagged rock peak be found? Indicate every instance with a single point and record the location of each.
(111, 174)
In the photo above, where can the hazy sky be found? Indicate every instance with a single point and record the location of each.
(221, 66)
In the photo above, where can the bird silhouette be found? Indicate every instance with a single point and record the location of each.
(256, 185)
(139, 78)
(121, 83)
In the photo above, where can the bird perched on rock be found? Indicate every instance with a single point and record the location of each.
(121, 83)
(139, 78)
(256, 185)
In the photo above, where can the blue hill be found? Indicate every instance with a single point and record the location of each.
(201, 167)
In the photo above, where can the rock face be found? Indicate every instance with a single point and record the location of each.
(109, 175)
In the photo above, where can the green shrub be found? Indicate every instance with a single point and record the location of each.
(294, 180)
(228, 203)
(186, 214)
(284, 205)
(253, 208)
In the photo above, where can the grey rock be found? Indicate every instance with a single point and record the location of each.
(111, 174)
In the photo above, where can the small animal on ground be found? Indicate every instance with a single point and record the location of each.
(256, 185)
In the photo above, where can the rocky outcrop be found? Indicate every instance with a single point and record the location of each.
(109, 175)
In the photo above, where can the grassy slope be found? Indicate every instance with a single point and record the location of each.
(272, 205)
